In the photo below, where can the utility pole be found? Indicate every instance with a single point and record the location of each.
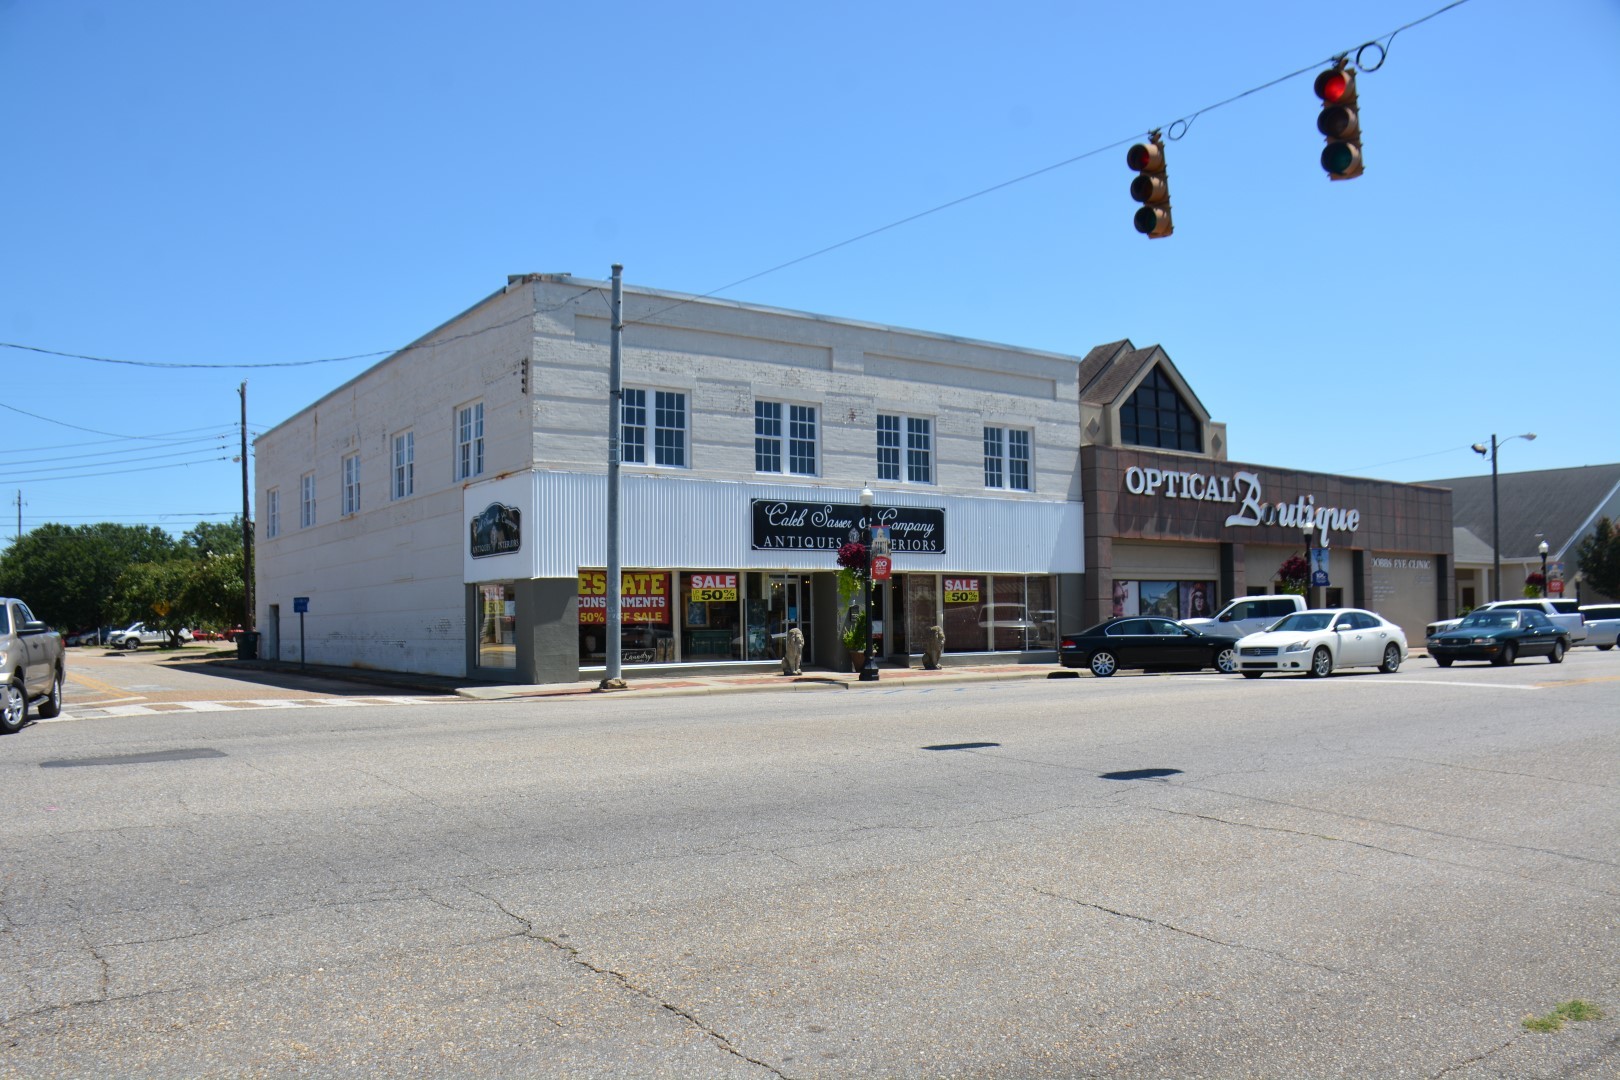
(614, 675)
(247, 523)
(19, 513)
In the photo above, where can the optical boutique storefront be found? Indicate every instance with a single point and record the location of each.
(716, 573)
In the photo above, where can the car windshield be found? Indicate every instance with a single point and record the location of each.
(1306, 620)
(1489, 618)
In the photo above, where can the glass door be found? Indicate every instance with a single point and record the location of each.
(777, 603)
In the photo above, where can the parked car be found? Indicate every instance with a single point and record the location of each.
(138, 634)
(1501, 636)
(31, 666)
(1602, 625)
(1320, 641)
(1564, 613)
(1148, 642)
(1251, 614)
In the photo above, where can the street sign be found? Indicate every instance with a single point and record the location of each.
(1556, 586)
(300, 604)
(881, 568)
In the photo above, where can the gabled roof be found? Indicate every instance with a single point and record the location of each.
(1560, 504)
(1109, 372)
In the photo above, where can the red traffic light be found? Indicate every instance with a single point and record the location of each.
(1151, 188)
(1339, 122)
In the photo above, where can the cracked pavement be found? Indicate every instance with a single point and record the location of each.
(1351, 877)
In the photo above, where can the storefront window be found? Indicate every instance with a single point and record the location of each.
(497, 621)
(711, 626)
(1171, 599)
(776, 603)
(922, 609)
(645, 611)
(965, 599)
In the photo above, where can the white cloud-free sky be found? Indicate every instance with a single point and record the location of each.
(217, 184)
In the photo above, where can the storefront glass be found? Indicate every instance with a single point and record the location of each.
(497, 621)
(776, 603)
(965, 599)
(645, 612)
(1171, 599)
(711, 606)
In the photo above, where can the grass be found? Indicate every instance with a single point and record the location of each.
(1568, 1011)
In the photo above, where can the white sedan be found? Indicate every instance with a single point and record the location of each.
(1320, 641)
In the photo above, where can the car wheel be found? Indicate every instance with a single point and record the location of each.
(51, 707)
(131, 643)
(1604, 648)
(1321, 662)
(1253, 674)
(1557, 655)
(1508, 654)
(1443, 661)
(1392, 659)
(1103, 664)
(1226, 662)
(13, 707)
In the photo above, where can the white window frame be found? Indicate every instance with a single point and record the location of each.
(651, 407)
(351, 485)
(1009, 452)
(402, 464)
(790, 435)
(272, 513)
(469, 432)
(306, 501)
(903, 465)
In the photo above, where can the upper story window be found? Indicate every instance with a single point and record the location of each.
(470, 440)
(668, 424)
(1006, 458)
(306, 500)
(272, 513)
(768, 438)
(404, 465)
(351, 484)
(908, 442)
(1157, 416)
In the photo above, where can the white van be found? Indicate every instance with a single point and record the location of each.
(1602, 625)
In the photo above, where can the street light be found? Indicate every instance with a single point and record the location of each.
(1542, 548)
(1310, 590)
(869, 669)
(1496, 511)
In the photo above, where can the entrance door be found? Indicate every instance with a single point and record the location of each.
(777, 603)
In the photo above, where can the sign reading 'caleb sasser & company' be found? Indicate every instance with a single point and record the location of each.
(781, 525)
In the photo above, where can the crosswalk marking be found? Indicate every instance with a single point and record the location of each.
(159, 708)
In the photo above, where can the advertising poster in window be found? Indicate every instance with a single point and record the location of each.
(1125, 598)
(645, 612)
(1197, 599)
(1159, 598)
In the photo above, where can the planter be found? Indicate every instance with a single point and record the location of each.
(857, 660)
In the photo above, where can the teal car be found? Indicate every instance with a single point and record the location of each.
(1500, 636)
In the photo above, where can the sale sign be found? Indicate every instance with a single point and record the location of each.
(643, 597)
(709, 588)
(961, 590)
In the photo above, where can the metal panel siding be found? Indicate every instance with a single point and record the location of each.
(675, 522)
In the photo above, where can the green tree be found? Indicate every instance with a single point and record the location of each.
(1598, 556)
(68, 574)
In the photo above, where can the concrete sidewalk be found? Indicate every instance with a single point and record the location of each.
(760, 682)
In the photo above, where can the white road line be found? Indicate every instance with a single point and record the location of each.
(90, 711)
(1471, 685)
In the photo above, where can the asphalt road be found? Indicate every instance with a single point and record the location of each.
(1143, 876)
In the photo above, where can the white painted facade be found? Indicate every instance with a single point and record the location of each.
(388, 585)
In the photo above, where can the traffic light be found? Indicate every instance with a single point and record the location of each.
(1339, 123)
(1151, 188)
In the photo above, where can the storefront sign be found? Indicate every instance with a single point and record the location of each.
(1243, 488)
(496, 530)
(779, 525)
(961, 590)
(708, 588)
(643, 597)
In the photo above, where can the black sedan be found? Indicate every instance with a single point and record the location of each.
(1500, 636)
(1147, 643)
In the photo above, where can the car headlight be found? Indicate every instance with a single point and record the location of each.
(1296, 646)
(1483, 641)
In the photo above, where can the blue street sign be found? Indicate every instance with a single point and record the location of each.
(300, 604)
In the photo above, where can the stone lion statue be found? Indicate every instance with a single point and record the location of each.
(933, 647)
(793, 652)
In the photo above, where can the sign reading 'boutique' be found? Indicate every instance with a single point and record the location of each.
(780, 525)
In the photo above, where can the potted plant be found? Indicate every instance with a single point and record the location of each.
(852, 569)
(1294, 573)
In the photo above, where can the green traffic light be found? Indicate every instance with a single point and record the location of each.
(1341, 160)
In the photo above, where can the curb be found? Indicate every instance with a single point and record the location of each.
(719, 687)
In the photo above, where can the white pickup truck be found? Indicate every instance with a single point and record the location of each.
(1565, 614)
(1252, 614)
(30, 666)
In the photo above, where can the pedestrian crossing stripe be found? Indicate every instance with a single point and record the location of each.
(160, 708)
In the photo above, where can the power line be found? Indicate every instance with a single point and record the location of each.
(95, 469)
(116, 472)
(211, 440)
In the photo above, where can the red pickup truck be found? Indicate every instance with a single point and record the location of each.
(31, 666)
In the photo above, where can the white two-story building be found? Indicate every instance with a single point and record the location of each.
(446, 511)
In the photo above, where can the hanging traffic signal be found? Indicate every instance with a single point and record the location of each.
(1150, 188)
(1339, 122)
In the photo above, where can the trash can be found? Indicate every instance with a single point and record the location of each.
(247, 644)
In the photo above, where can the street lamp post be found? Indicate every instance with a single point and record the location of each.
(869, 669)
(1310, 589)
(1542, 548)
(1496, 508)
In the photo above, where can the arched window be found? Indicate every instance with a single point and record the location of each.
(1157, 416)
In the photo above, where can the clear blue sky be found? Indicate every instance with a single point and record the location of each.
(207, 183)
